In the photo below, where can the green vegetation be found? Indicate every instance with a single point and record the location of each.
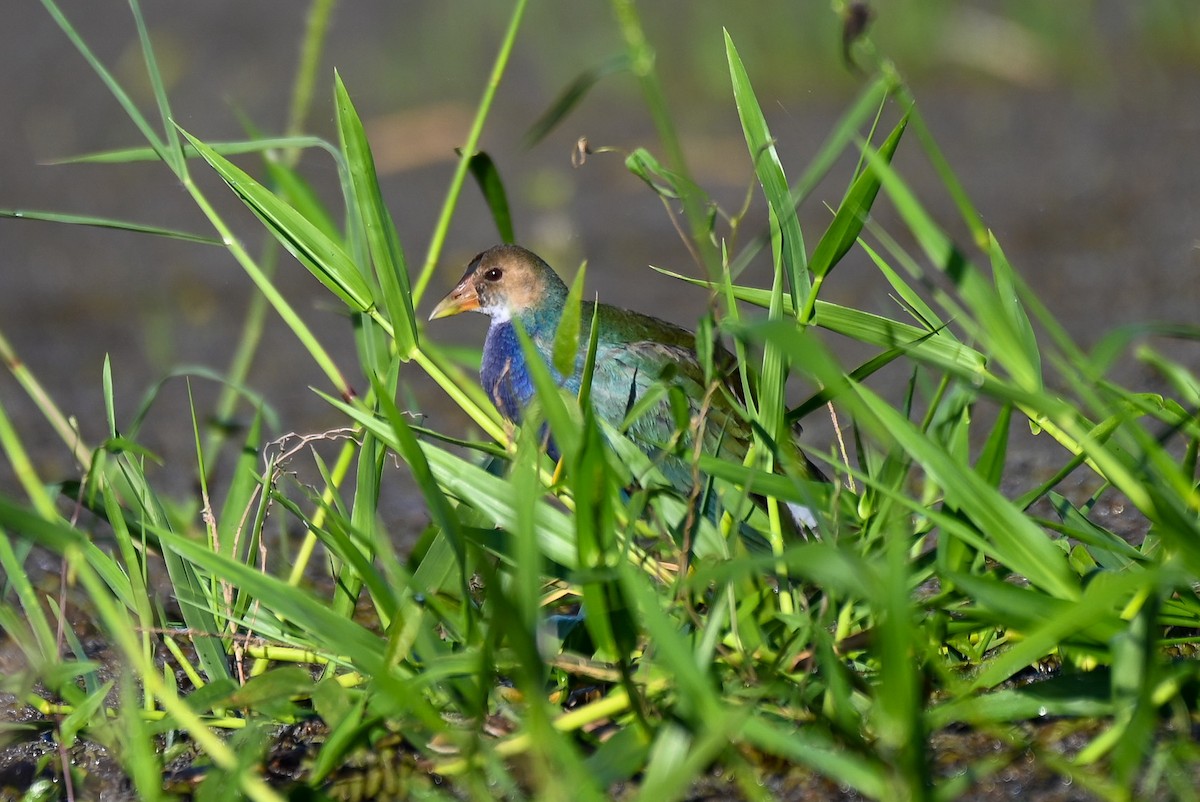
(927, 603)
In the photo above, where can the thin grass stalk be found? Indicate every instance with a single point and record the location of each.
(131, 552)
(316, 31)
(22, 466)
(37, 393)
(267, 288)
(120, 630)
(34, 615)
(485, 421)
(245, 351)
(172, 152)
(641, 59)
(109, 81)
(51, 709)
(442, 227)
(341, 469)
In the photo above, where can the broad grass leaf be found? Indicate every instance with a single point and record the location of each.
(295, 190)
(1106, 547)
(478, 489)
(1074, 694)
(812, 747)
(566, 337)
(487, 177)
(770, 174)
(848, 221)
(1096, 610)
(382, 239)
(323, 257)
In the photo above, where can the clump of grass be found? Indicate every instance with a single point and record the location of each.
(923, 602)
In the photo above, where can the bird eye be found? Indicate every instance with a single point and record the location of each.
(494, 274)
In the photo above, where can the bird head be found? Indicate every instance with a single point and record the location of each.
(502, 282)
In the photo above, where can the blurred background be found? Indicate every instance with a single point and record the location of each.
(1073, 125)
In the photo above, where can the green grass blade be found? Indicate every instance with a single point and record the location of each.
(771, 403)
(440, 508)
(769, 170)
(197, 603)
(566, 338)
(571, 96)
(967, 210)
(848, 221)
(943, 349)
(58, 536)
(106, 222)
(298, 193)
(1008, 292)
(1024, 546)
(23, 468)
(118, 92)
(475, 487)
(993, 458)
(323, 257)
(910, 299)
(234, 148)
(645, 166)
(487, 176)
(1109, 550)
(138, 752)
(442, 227)
(33, 613)
(869, 103)
(327, 630)
(810, 747)
(235, 524)
(992, 323)
(1098, 607)
(1064, 695)
(119, 628)
(384, 242)
(172, 151)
